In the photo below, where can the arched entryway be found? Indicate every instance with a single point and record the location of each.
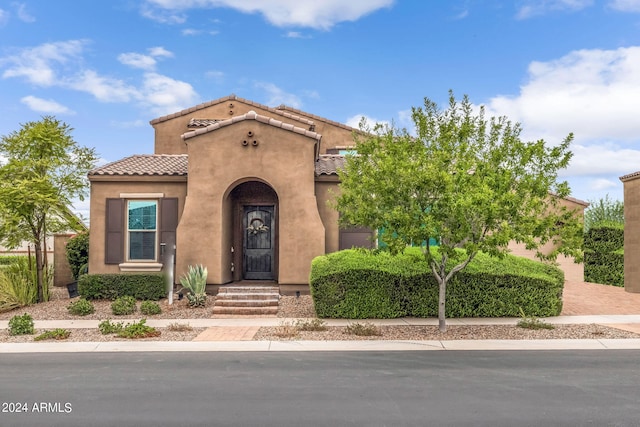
(254, 206)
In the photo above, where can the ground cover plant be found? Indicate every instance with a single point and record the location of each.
(81, 307)
(55, 334)
(124, 305)
(138, 330)
(21, 325)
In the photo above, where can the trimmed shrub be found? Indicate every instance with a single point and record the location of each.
(82, 307)
(603, 254)
(77, 251)
(368, 284)
(8, 259)
(111, 286)
(124, 305)
(149, 308)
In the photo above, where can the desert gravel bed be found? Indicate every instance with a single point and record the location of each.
(290, 307)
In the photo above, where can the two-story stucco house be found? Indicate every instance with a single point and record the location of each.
(237, 186)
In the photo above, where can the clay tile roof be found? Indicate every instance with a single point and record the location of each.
(145, 165)
(329, 164)
(251, 115)
(630, 176)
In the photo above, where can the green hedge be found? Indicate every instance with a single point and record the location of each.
(112, 286)
(8, 259)
(363, 284)
(603, 254)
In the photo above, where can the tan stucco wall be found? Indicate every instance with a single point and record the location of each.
(167, 132)
(101, 190)
(62, 274)
(218, 162)
(325, 193)
(632, 235)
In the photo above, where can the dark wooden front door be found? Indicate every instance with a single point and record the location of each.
(258, 245)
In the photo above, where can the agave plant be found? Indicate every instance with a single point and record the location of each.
(195, 281)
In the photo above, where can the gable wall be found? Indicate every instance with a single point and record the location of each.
(218, 162)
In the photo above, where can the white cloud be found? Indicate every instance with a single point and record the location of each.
(593, 93)
(215, 75)
(369, 122)
(4, 17)
(278, 96)
(602, 159)
(104, 89)
(142, 61)
(23, 15)
(162, 16)
(137, 60)
(602, 184)
(129, 124)
(160, 52)
(313, 14)
(45, 105)
(166, 95)
(37, 64)
(532, 8)
(295, 35)
(625, 5)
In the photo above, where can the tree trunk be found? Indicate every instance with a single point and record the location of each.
(38, 249)
(442, 287)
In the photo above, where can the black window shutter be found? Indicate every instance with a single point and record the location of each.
(114, 239)
(168, 221)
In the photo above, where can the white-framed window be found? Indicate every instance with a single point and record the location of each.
(142, 230)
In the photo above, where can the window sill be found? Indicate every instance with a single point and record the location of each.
(140, 266)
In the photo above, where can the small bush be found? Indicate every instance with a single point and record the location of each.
(124, 305)
(286, 330)
(77, 252)
(82, 307)
(21, 325)
(366, 329)
(55, 334)
(179, 327)
(149, 308)
(108, 327)
(111, 286)
(138, 330)
(311, 325)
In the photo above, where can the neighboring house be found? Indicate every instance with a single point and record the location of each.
(239, 187)
(27, 248)
(631, 184)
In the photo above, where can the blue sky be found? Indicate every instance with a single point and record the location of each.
(109, 67)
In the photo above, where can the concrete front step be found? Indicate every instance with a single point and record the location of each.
(247, 300)
(248, 289)
(246, 296)
(248, 311)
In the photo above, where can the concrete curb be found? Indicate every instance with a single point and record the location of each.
(329, 346)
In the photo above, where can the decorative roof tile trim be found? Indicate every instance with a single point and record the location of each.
(329, 164)
(252, 115)
(630, 176)
(233, 97)
(200, 123)
(318, 118)
(145, 165)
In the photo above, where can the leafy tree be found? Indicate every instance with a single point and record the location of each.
(44, 170)
(603, 211)
(467, 182)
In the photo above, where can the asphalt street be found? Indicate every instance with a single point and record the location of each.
(476, 388)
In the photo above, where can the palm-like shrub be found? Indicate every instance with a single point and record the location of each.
(195, 281)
